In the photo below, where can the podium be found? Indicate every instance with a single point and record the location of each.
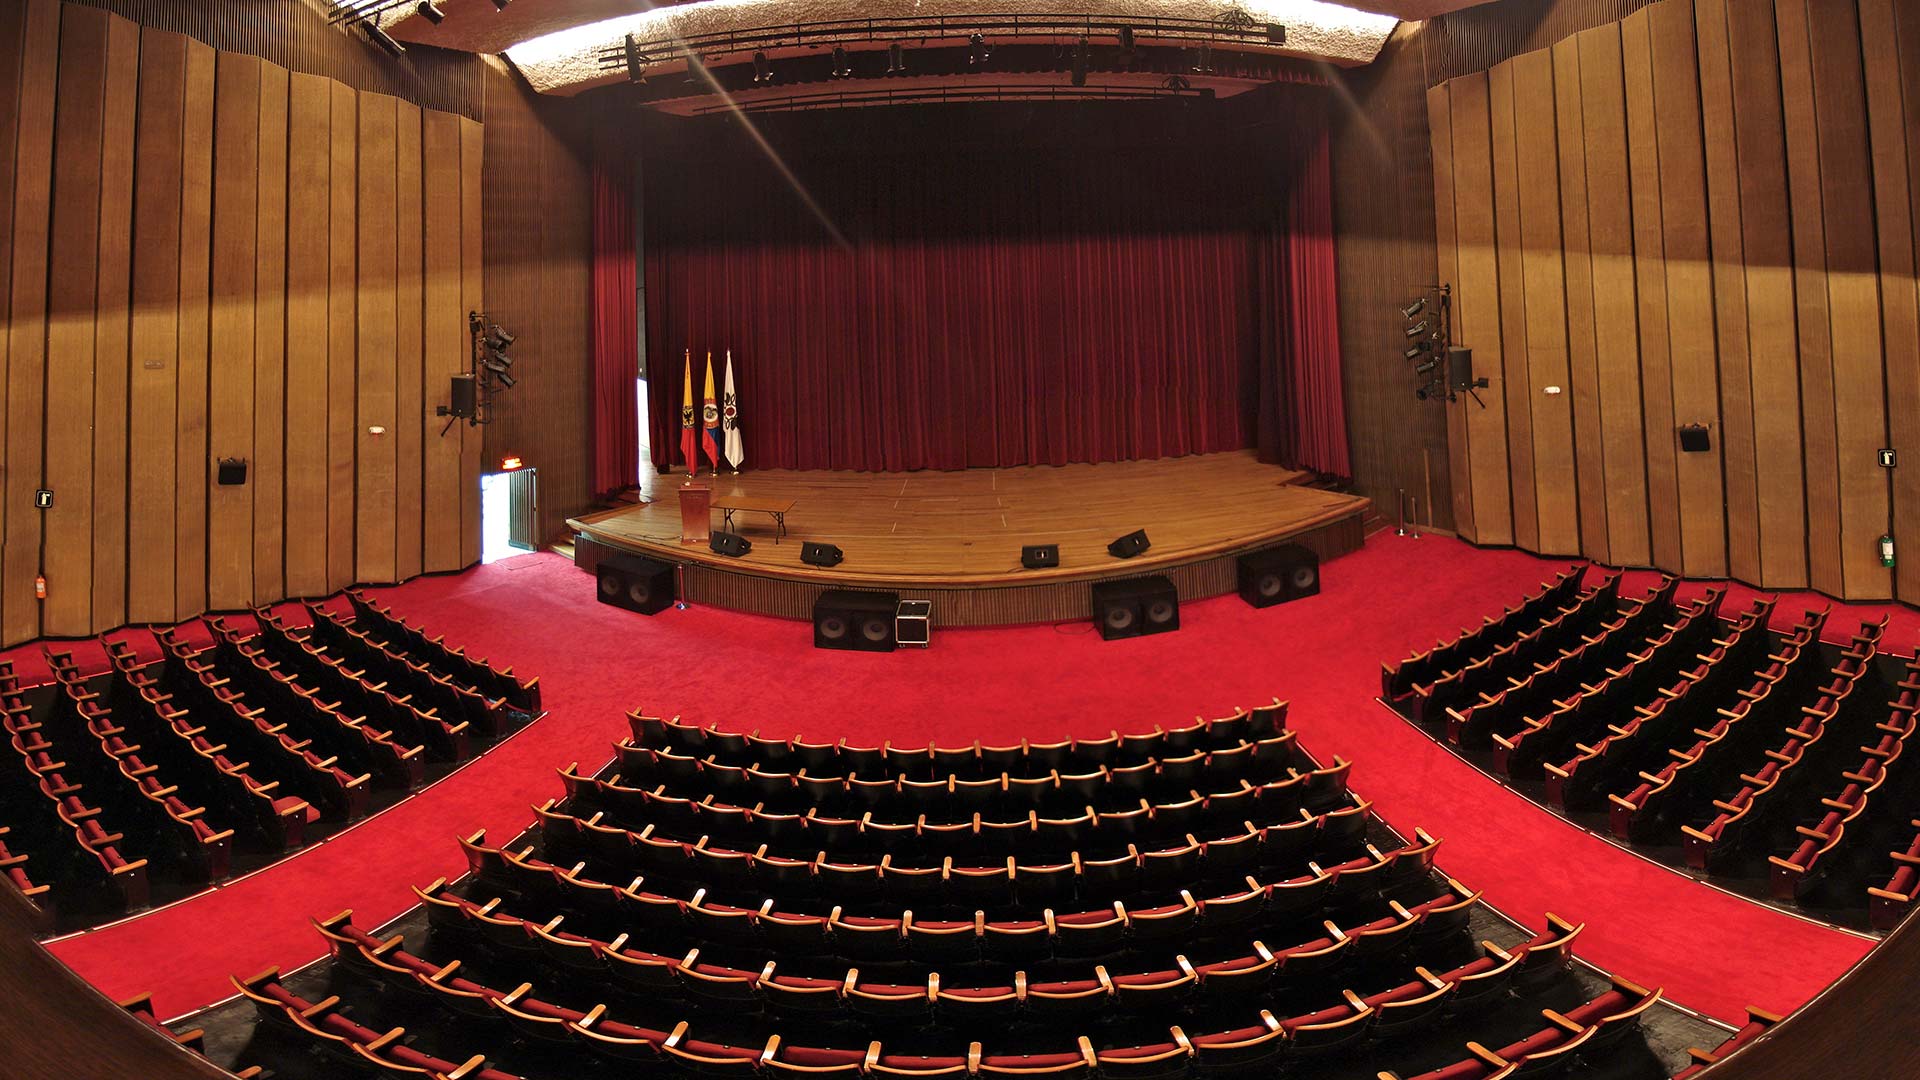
(696, 515)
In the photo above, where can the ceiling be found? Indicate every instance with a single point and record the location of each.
(558, 44)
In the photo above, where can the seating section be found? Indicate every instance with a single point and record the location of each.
(1204, 900)
(185, 754)
(1703, 736)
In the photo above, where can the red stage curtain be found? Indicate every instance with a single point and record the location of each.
(616, 360)
(1070, 298)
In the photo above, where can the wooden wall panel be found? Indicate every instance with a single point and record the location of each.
(309, 269)
(1773, 351)
(1440, 122)
(409, 373)
(1616, 313)
(342, 311)
(1650, 270)
(1807, 215)
(236, 179)
(1583, 359)
(156, 327)
(32, 182)
(445, 340)
(1513, 354)
(373, 431)
(196, 237)
(1902, 297)
(268, 474)
(112, 330)
(72, 278)
(1545, 303)
(472, 294)
(1853, 294)
(1735, 441)
(1477, 309)
(13, 25)
(1692, 362)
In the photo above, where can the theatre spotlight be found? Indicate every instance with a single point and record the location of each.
(1204, 66)
(430, 11)
(978, 50)
(896, 59)
(1417, 329)
(1413, 352)
(506, 381)
(498, 361)
(1422, 369)
(762, 68)
(499, 338)
(1414, 308)
(842, 63)
(636, 67)
(1078, 66)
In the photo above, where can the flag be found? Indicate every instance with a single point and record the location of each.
(686, 418)
(710, 414)
(730, 419)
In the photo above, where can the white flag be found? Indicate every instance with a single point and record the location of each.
(736, 450)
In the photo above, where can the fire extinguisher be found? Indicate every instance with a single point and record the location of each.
(39, 586)
(1886, 550)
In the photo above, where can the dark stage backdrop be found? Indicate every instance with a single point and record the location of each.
(999, 285)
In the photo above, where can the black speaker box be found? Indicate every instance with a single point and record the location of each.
(1136, 606)
(1040, 556)
(1460, 368)
(1695, 438)
(231, 471)
(1278, 574)
(634, 583)
(1134, 543)
(460, 397)
(726, 543)
(820, 554)
(855, 620)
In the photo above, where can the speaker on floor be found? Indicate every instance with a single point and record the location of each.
(1040, 556)
(634, 583)
(1136, 606)
(1278, 574)
(820, 554)
(1134, 543)
(855, 620)
(733, 544)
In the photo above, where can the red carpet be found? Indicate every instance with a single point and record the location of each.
(1710, 951)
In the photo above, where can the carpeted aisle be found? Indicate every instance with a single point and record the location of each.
(1710, 951)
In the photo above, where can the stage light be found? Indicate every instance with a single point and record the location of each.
(501, 5)
(499, 338)
(506, 380)
(842, 63)
(1417, 329)
(762, 68)
(1414, 308)
(978, 50)
(1205, 64)
(1413, 352)
(896, 59)
(1422, 369)
(636, 67)
(1078, 68)
(430, 11)
(497, 361)
(381, 38)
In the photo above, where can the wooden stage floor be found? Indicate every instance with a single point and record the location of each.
(940, 532)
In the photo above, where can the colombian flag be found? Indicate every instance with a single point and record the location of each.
(686, 418)
(710, 417)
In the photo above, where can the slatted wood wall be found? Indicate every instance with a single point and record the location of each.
(206, 256)
(1702, 214)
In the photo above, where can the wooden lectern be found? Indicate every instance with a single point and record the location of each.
(695, 513)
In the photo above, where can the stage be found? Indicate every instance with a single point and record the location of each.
(954, 537)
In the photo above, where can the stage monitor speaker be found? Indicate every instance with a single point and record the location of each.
(1040, 556)
(820, 554)
(1278, 574)
(461, 397)
(855, 620)
(1460, 368)
(1134, 543)
(1136, 606)
(634, 583)
(727, 543)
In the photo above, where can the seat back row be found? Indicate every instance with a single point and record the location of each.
(1397, 680)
